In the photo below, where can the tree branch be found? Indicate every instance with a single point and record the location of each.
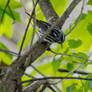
(48, 11)
(46, 78)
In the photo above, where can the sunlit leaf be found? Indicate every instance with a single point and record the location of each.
(10, 13)
(88, 84)
(74, 43)
(70, 66)
(83, 16)
(56, 62)
(14, 4)
(6, 26)
(89, 27)
(4, 56)
(71, 88)
(89, 2)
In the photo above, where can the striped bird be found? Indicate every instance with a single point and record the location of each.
(56, 34)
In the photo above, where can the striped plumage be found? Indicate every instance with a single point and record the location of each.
(56, 34)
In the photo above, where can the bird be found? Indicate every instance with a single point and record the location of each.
(55, 36)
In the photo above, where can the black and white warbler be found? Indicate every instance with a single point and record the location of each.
(56, 34)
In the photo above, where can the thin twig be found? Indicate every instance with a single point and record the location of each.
(78, 72)
(27, 28)
(29, 75)
(37, 70)
(8, 51)
(11, 13)
(78, 20)
(2, 16)
(70, 55)
(34, 20)
(32, 24)
(46, 78)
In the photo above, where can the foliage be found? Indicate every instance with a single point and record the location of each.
(6, 25)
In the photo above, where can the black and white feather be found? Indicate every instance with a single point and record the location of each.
(56, 34)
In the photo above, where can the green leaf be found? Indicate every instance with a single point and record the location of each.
(3, 46)
(72, 88)
(83, 16)
(70, 66)
(14, 4)
(89, 28)
(74, 43)
(4, 56)
(89, 2)
(88, 84)
(6, 26)
(69, 85)
(81, 54)
(56, 63)
(24, 78)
